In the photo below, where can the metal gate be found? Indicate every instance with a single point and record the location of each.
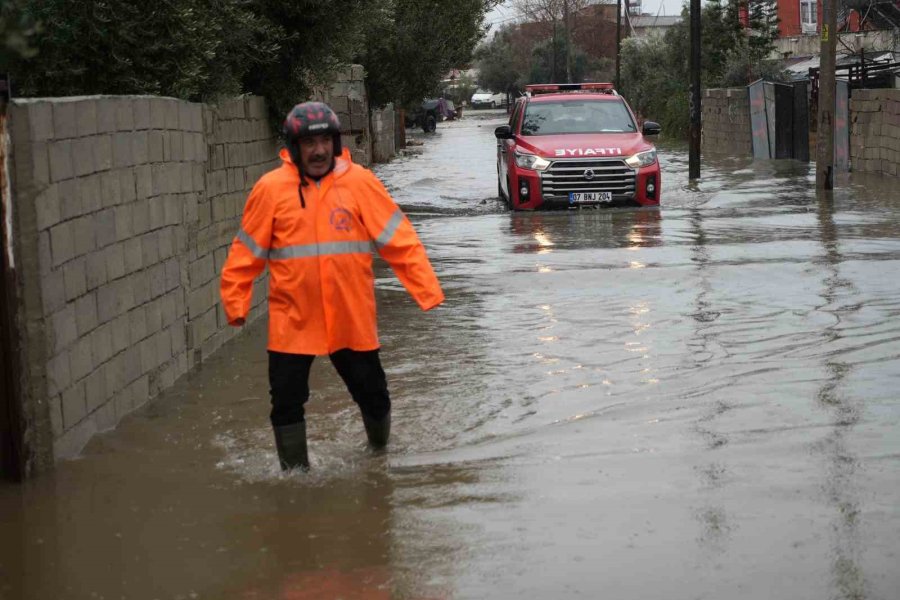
(12, 459)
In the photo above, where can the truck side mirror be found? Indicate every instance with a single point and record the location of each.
(504, 132)
(651, 128)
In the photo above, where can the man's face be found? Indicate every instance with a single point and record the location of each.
(316, 154)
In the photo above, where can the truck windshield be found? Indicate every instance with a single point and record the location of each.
(577, 116)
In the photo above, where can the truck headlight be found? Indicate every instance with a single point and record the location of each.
(641, 159)
(530, 161)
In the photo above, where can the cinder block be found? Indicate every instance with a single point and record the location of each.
(157, 113)
(95, 390)
(126, 187)
(166, 246)
(122, 149)
(142, 113)
(40, 121)
(85, 236)
(110, 192)
(170, 108)
(86, 314)
(155, 146)
(153, 316)
(150, 248)
(61, 164)
(157, 212)
(141, 213)
(172, 208)
(105, 227)
(47, 208)
(137, 324)
(124, 113)
(176, 146)
(75, 278)
(173, 276)
(167, 309)
(157, 278)
(96, 267)
(147, 348)
(102, 343)
(81, 358)
(69, 200)
(133, 369)
(123, 217)
(88, 192)
(140, 286)
(115, 375)
(59, 375)
(53, 291)
(86, 117)
(163, 341)
(121, 333)
(134, 255)
(143, 182)
(64, 120)
(62, 332)
(74, 408)
(106, 116)
(140, 149)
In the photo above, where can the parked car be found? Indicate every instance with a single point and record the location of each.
(575, 144)
(431, 112)
(488, 99)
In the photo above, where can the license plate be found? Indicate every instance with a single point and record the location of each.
(588, 197)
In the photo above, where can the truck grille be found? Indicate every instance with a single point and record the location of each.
(609, 175)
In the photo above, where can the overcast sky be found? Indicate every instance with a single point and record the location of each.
(506, 12)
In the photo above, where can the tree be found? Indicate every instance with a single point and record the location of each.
(499, 66)
(556, 13)
(187, 49)
(411, 44)
(17, 30)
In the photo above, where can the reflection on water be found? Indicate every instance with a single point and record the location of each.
(705, 392)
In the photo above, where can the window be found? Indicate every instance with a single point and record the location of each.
(808, 16)
(575, 116)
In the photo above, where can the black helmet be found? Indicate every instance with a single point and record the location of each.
(308, 119)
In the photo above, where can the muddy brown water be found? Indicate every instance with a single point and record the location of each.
(698, 401)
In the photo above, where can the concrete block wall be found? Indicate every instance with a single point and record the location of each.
(347, 96)
(875, 131)
(383, 134)
(125, 208)
(726, 122)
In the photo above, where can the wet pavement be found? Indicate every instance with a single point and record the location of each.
(698, 401)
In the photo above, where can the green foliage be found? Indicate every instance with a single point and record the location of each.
(17, 30)
(460, 90)
(184, 48)
(548, 63)
(499, 65)
(411, 44)
(314, 39)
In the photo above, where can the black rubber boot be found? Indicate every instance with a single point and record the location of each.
(378, 432)
(290, 441)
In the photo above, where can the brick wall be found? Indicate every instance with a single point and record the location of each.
(347, 97)
(875, 131)
(125, 208)
(726, 122)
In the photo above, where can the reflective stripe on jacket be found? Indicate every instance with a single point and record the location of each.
(321, 286)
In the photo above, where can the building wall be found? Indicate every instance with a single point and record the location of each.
(125, 208)
(383, 143)
(875, 131)
(726, 122)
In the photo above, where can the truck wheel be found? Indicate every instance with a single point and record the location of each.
(430, 124)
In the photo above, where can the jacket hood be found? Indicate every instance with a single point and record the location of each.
(585, 145)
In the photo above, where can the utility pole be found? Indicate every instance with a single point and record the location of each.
(694, 150)
(825, 120)
(568, 40)
(618, 43)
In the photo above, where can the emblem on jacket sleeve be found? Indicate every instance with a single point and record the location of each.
(341, 219)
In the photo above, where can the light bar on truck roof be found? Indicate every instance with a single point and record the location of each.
(549, 88)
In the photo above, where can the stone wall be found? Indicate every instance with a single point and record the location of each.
(125, 208)
(875, 131)
(383, 133)
(726, 122)
(347, 97)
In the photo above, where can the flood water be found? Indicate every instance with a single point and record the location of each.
(697, 401)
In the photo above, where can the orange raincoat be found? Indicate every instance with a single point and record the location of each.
(321, 286)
